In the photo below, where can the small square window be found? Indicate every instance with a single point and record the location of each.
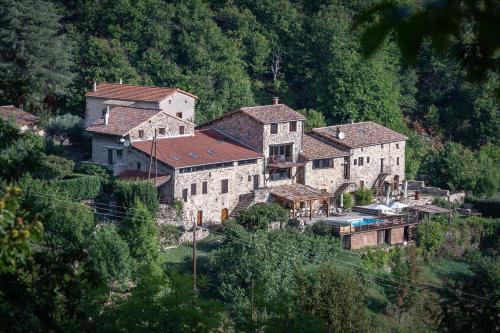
(139, 166)
(382, 146)
(161, 131)
(181, 129)
(293, 126)
(360, 161)
(141, 134)
(169, 101)
(224, 186)
(397, 161)
(204, 188)
(367, 159)
(355, 161)
(179, 115)
(274, 128)
(397, 145)
(193, 189)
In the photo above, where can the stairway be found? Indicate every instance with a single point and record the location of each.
(378, 182)
(342, 188)
(246, 200)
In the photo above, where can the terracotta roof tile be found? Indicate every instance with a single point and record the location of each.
(316, 148)
(272, 113)
(122, 119)
(204, 147)
(360, 134)
(21, 118)
(133, 93)
(298, 192)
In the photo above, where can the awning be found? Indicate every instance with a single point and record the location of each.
(299, 193)
(430, 209)
(142, 175)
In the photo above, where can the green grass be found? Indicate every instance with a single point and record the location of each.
(441, 270)
(184, 252)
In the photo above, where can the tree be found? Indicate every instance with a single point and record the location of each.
(489, 176)
(128, 192)
(429, 236)
(140, 231)
(110, 254)
(314, 119)
(64, 127)
(53, 167)
(260, 216)
(364, 196)
(36, 55)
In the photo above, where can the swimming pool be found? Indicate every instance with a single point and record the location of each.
(364, 221)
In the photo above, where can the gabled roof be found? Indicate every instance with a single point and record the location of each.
(204, 147)
(265, 114)
(361, 134)
(20, 117)
(134, 93)
(316, 148)
(122, 119)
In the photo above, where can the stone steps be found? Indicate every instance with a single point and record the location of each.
(246, 200)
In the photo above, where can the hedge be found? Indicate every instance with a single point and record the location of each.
(489, 207)
(80, 187)
(127, 192)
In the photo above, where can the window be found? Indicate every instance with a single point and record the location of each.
(382, 146)
(355, 161)
(185, 101)
(397, 161)
(139, 166)
(280, 175)
(397, 145)
(185, 195)
(367, 159)
(280, 151)
(193, 189)
(119, 156)
(141, 134)
(323, 163)
(293, 126)
(245, 162)
(179, 115)
(181, 129)
(360, 161)
(204, 188)
(161, 131)
(274, 128)
(224, 186)
(169, 101)
(110, 156)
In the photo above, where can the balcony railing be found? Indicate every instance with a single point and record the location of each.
(282, 162)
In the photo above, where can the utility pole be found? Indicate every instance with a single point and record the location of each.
(194, 253)
(156, 159)
(151, 159)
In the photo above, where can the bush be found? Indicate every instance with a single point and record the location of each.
(489, 207)
(322, 228)
(258, 217)
(375, 258)
(348, 202)
(64, 127)
(95, 170)
(429, 236)
(364, 196)
(80, 187)
(54, 167)
(170, 234)
(127, 192)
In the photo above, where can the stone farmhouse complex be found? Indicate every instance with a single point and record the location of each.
(251, 155)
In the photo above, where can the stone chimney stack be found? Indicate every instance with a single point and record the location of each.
(94, 86)
(106, 116)
(276, 100)
(121, 81)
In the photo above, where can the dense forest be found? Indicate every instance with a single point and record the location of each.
(63, 267)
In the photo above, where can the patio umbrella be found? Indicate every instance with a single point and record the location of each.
(379, 207)
(398, 205)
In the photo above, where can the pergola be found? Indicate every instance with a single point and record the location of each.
(297, 193)
(431, 210)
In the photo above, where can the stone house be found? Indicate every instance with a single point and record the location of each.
(173, 101)
(25, 121)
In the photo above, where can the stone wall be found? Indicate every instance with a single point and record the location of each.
(179, 102)
(369, 172)
(415, 185)
(284, 136)
(162, 120)
(363, 239)
(240, 180)
(396, 236)
(94, 106)
(329, 179)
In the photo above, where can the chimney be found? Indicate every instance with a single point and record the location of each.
(121, 81)
(106, 116)
(276, 100)
(94, 86)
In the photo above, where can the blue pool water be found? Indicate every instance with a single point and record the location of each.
(365, 221)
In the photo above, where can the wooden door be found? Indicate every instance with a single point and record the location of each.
(224, 214)
(199, 218)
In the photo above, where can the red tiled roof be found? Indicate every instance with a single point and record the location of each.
(134, 93)
(21, 118)
(122, 119)
(360, 134)
(204, 147)
(315, 148)
(142, 175)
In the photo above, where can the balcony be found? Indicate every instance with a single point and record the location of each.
(281, 162)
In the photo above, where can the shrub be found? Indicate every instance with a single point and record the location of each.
(127, 192)
(429, 236)
(80, 187)
(375, 258)
(364, 196)
(348, 202)
(322, 228)
(489, 207)
(54, 167)
(170, 234)
(64, 127)
(178, 206)
(95, 170)
(258, 217)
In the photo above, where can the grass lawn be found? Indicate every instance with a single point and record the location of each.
(442, 270)
(180, 257)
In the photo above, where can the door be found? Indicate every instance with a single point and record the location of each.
(346, 168)
(255, 182)
(110, 156)
(224, 214)
(381, 165)
(380, 237)
(199, 218)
